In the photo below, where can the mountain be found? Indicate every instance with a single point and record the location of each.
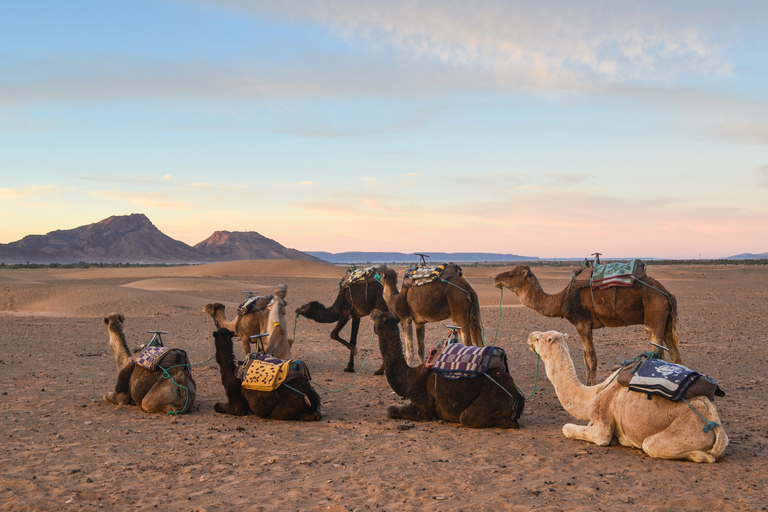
(749, 256)
(134, 239)
(248, 245)
(401, 257)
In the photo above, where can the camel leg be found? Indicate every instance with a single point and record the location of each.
(165, 396)
(590, 358)
(122, 393)
(420, 331)
(599, 433)
(408, 333)
(352, 344)
(410, 412)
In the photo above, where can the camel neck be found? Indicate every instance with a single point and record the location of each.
(574, 396)
(399, 374)
(532, 295)
(119, 346)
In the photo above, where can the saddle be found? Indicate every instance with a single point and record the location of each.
(355, 275)
(424, 274)
(609, 275)
(258, 302)
(456, 361)
(164, 357)
(267, 373)
(671, 381)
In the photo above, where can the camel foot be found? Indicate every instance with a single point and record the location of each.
(380, 371)
(349, 369)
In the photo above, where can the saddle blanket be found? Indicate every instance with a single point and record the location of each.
(616, 274)
(457, 360)
(150, 356)
(355, 275)
(267, 373)
(259, 302)
(425, 274)
(671, 381)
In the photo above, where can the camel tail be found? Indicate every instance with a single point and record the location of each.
(670, 331)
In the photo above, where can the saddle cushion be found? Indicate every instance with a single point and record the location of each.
(355, 275)
(149, 357)
(267, 373)
(617, 274)
(425, 274)
(671, 381)
(456, 360)
(258, 303)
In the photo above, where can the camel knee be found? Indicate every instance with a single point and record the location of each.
(117, 398)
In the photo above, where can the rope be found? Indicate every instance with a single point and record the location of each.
(708, 425)
(649, 286)
(370, 349)
(535, 380)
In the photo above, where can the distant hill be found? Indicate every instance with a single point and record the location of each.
(401, 257)
(749, 256)
(134, 239)
(248, 245)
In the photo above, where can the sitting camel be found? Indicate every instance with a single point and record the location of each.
(354, 301)
(646, 302)
(452, 298)
(168, 388)
(662, 428)
(295, 399)
(244, 326)
(477, 402)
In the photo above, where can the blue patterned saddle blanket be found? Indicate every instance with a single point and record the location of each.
(457, 361)
(672, 381)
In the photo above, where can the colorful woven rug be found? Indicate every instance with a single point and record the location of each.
(150, 356)
(615, 274)
(458, 360)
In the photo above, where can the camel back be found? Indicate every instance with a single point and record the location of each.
(257, 303)
(267, 373)
(426, 274)
(671, 381)
(610, 275)
(456, 361)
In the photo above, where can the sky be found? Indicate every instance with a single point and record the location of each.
(551, 129)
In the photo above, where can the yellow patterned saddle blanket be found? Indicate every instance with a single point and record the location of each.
(356, 275)
(267, 373)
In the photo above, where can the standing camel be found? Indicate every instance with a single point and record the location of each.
(646, 302)
(353, 302)
(450, 298)
(244, 326)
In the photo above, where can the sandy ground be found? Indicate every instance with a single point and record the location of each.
(64, 449)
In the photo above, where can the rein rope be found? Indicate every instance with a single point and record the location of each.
(354, 377)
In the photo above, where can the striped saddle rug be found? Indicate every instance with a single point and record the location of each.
(425, 274)
(457, 361)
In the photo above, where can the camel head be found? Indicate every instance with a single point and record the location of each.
(513, 279)
(223, 338)
(213, 308)
(388, 276)
(307, 308)
(544, 343)
(381, 318)
(114, 319)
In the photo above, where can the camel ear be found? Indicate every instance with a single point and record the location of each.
(565, 337)
(525, 272)
(106, 320)
(122, 318)
(552, 337)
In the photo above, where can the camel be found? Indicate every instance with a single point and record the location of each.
(353, 302)
(477, 402)
(646, 302)
(433, 302)
(244, 326)
(171, 391)
(297, 402)
(660, 427)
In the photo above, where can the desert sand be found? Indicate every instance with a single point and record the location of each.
(65, 449)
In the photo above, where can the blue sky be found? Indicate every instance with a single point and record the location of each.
(549, 129)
